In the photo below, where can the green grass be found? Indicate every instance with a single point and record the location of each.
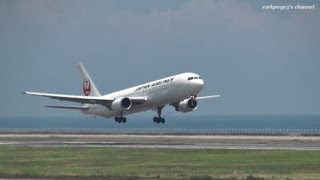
(131, 163)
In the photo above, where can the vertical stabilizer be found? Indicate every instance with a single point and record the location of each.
(88, 86)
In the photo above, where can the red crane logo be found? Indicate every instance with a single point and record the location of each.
(86, 87)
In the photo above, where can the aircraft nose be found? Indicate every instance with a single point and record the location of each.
(198, 83)
(201, 82)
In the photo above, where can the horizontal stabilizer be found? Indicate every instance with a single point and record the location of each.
(69, 107)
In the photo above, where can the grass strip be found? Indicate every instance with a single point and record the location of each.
(136, 163)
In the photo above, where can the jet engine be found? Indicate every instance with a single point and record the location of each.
(121, 104)
(187, 105)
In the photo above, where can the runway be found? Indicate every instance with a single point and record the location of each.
(163, 141)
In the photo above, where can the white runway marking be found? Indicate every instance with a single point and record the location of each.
(157, 141)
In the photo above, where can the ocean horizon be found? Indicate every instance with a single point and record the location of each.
(182, 122)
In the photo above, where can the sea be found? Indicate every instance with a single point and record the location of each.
(307, 124)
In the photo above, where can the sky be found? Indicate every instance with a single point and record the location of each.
(261, 62)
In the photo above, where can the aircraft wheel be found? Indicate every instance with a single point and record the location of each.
(120, 119)
(159, 120)
(162, 120)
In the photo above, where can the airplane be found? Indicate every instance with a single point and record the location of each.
(179, 91)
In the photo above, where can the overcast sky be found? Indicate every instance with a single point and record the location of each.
(260, 61)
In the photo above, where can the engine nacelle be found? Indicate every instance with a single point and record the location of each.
(187, 105)
(121, 104)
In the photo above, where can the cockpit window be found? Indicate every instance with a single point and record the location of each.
(191, 78)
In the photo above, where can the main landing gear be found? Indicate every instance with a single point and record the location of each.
(120, 119)
(159, 119)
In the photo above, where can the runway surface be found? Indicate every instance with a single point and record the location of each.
(163, 141)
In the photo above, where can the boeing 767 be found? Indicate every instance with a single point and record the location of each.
(179, 91)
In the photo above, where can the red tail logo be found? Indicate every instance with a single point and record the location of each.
(86, 87)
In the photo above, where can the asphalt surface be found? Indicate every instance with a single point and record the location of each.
(163, 141)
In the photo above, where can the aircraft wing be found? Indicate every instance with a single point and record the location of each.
(69, 107)
(85, 99)
(207, 97)
(74, 98)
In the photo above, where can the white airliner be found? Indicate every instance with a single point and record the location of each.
(180, 91)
